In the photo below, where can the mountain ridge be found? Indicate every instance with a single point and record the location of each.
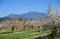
(28, 15)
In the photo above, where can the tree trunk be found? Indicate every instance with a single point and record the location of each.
(12, 29)
(24, 28)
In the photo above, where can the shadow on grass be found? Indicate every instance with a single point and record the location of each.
(5, 32)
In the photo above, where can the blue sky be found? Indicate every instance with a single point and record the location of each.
(22, 6)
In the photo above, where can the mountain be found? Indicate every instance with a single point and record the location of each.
(28, 15)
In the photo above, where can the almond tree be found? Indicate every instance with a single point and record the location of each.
(58, 20)
(53, 22)
(13, 22)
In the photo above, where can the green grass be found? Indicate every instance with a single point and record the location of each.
(20, 34)
(17, 35)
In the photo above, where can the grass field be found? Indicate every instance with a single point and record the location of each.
(21, 35)
(6, 34)
(17, 35)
